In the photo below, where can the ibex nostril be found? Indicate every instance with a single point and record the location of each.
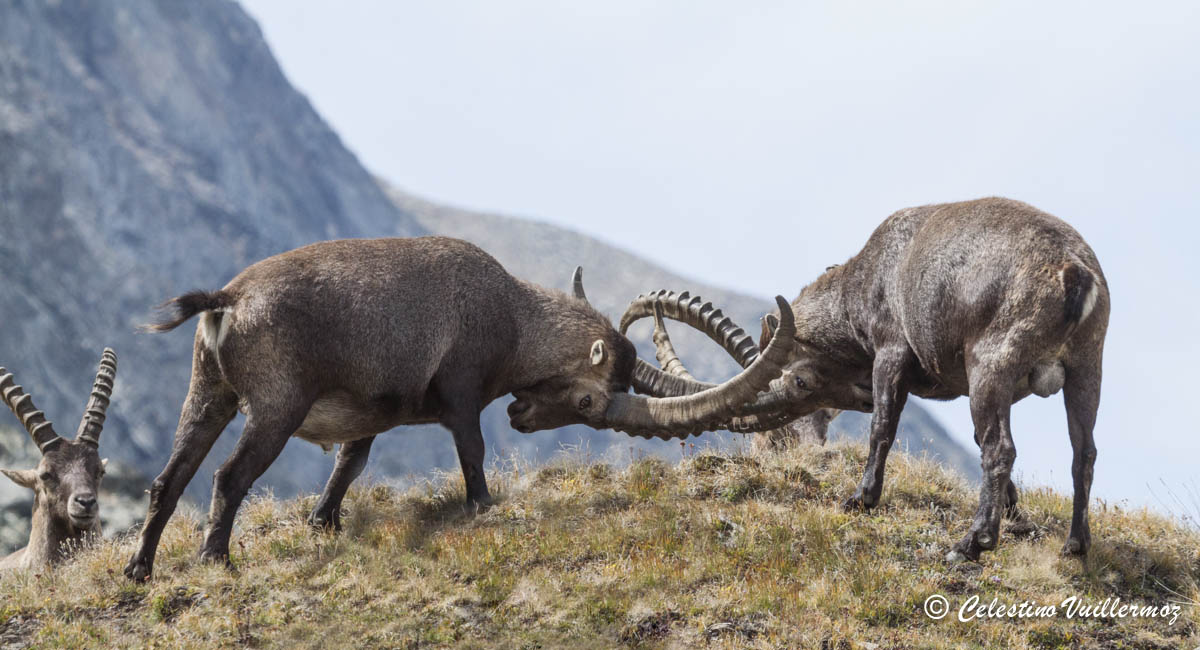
(87, 502)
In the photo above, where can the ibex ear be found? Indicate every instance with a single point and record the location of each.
(23, 477)
(598, 352)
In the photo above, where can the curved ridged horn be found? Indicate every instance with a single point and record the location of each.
(694, 311)
(675, 380)
(770, 410)
(700, 314)
(648, 380)
(35, 421)
(664, 351)
(707, 410)
(577, 283)
(97, 406)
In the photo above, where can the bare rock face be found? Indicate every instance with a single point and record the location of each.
(147, 149)
(151, 148)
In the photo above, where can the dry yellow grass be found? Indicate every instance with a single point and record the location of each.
(728, 551)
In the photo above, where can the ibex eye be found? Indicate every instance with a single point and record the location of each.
(585, 402)
(801, 384)
(46, 477)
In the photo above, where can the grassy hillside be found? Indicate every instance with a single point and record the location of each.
(726, 550)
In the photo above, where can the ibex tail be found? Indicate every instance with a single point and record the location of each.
(1079, 285)
(179, 310)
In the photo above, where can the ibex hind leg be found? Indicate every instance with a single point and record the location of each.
(1081, 396)
(210, 405)
(267, 431)
(351, 459)
(991, 401)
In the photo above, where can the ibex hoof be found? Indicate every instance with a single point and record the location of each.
(1075, 546)
(859, 501)
(137, 570)
(476, 505)
(325, 521)
(967, 549)
(216, 557)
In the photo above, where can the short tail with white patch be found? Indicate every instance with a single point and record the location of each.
(1079, 287)
(178, 310)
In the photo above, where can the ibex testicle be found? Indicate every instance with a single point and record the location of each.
(989, 298)
(339, 341)
(66, 481)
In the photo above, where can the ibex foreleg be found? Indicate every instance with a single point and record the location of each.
(889, 395)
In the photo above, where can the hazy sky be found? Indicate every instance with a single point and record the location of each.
(751, 147)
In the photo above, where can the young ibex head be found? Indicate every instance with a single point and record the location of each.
(66, 481)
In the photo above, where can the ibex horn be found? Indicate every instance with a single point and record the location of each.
(700, 314)
(678, 417)
(21, 403)
(577, 283)
(664, 351)
(97, 406)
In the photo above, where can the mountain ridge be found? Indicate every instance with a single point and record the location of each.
(148, 149)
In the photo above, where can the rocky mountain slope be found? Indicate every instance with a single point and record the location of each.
(147, 149)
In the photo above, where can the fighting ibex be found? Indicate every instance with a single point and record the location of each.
(339, 341)
(67, 479)
(989, 298)
(703, 315)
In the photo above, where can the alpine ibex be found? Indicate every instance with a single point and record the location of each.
(67, 479)
(339, 341)
(989, 298)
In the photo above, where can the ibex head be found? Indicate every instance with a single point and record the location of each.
(822, 379)
(593, 389)
(599, 366)
(67, 480)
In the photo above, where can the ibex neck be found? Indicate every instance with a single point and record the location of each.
(535, 336)
(49, 541)
(553, 330)
(823, 316)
